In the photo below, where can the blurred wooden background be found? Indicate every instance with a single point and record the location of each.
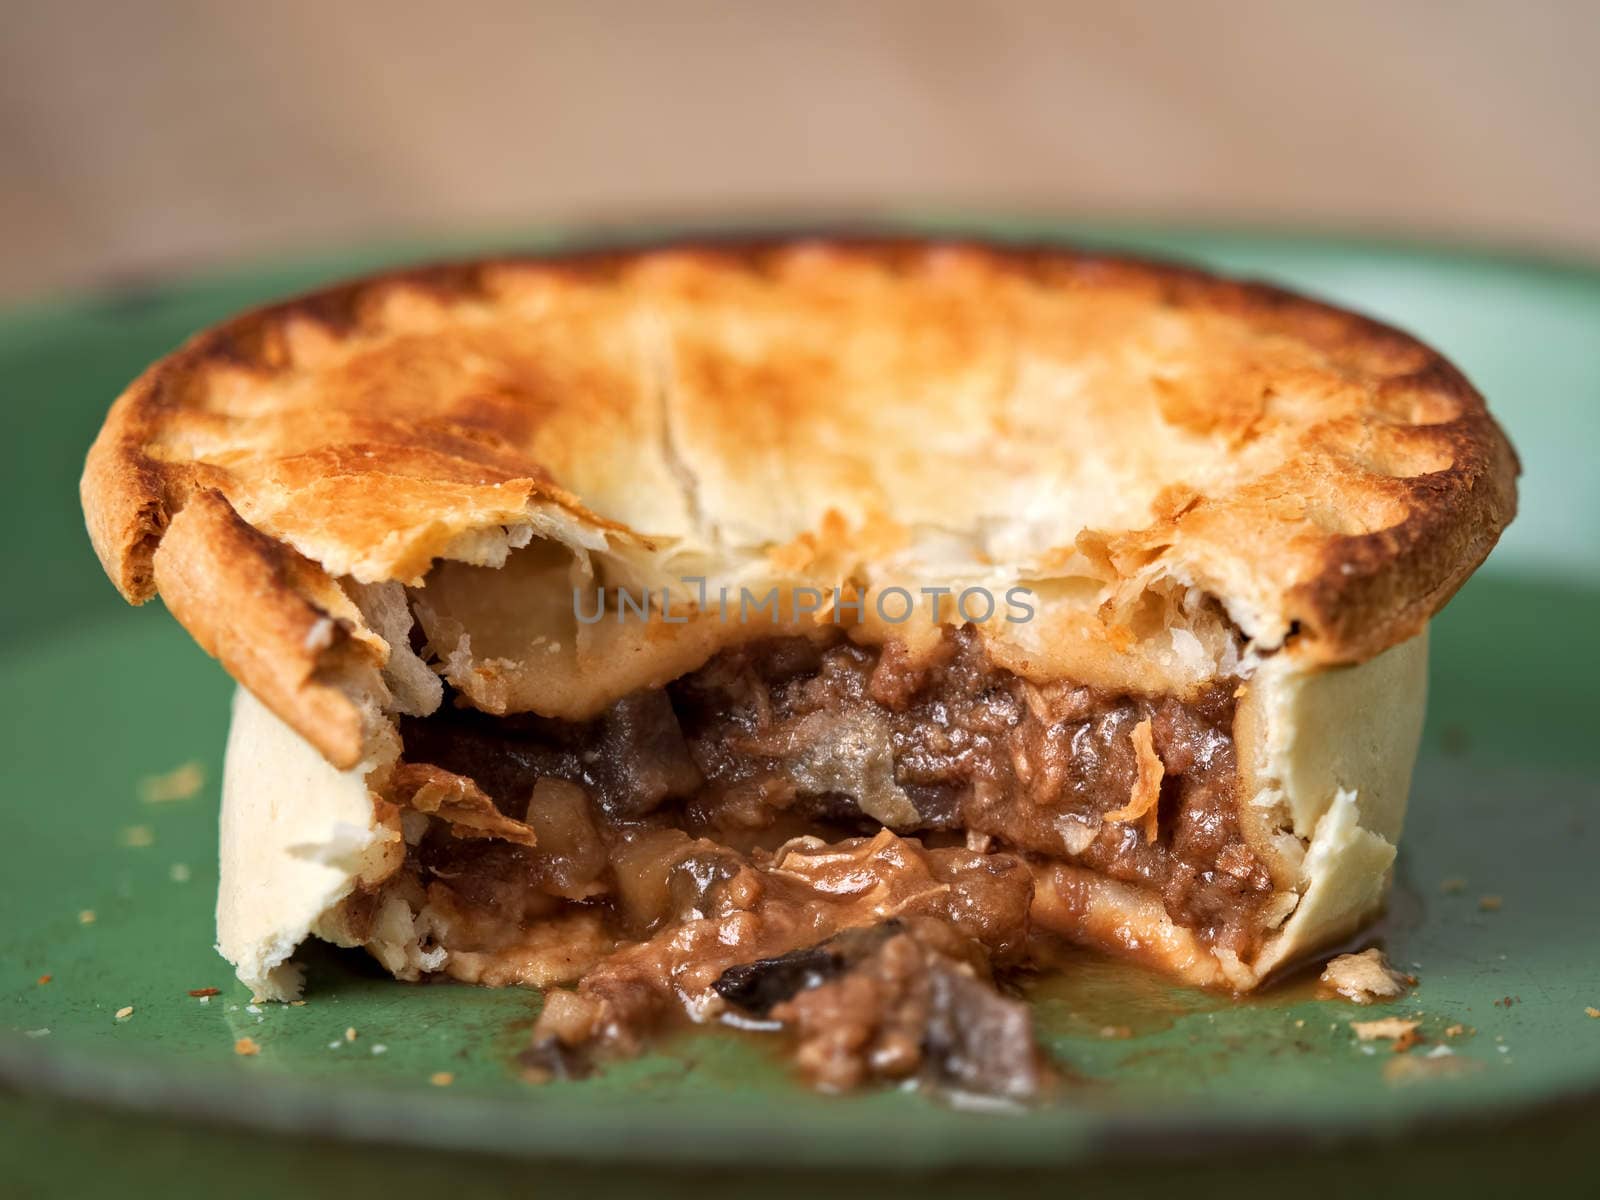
(141, 137)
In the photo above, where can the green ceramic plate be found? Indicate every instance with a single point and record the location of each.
(99, 698)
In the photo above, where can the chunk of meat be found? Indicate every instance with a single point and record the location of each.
(641, 759)
(907, 1011)
(632, 759)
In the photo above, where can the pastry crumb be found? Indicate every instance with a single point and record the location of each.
(138, 836)
(44, 979)
(1453, 885)
(1366, 977)
(1588, 1011)
(179, 873)
(181, 783)
(1454, 1031)
(247, 1047)
(1395, 1029)
(442, 1078)
(1415, 1068)
(1116, 1031)
(124, 1012)
(86, 917)
(202, 993)
(1490, 903)
(350, 1034)
(297, 1004)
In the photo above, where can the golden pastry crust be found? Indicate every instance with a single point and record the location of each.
(799, 411)
(301, 644)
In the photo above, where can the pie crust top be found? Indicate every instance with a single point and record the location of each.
(797, 411)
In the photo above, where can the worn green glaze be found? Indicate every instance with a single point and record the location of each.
(99, 696)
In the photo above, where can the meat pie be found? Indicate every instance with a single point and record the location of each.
(787, 634)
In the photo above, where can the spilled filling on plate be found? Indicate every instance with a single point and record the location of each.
(834, 842)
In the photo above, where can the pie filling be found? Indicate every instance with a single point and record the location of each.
(834, 842)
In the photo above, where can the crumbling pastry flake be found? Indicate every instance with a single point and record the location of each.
(1145, 803)
(1366, 977)
(1399, 1030)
